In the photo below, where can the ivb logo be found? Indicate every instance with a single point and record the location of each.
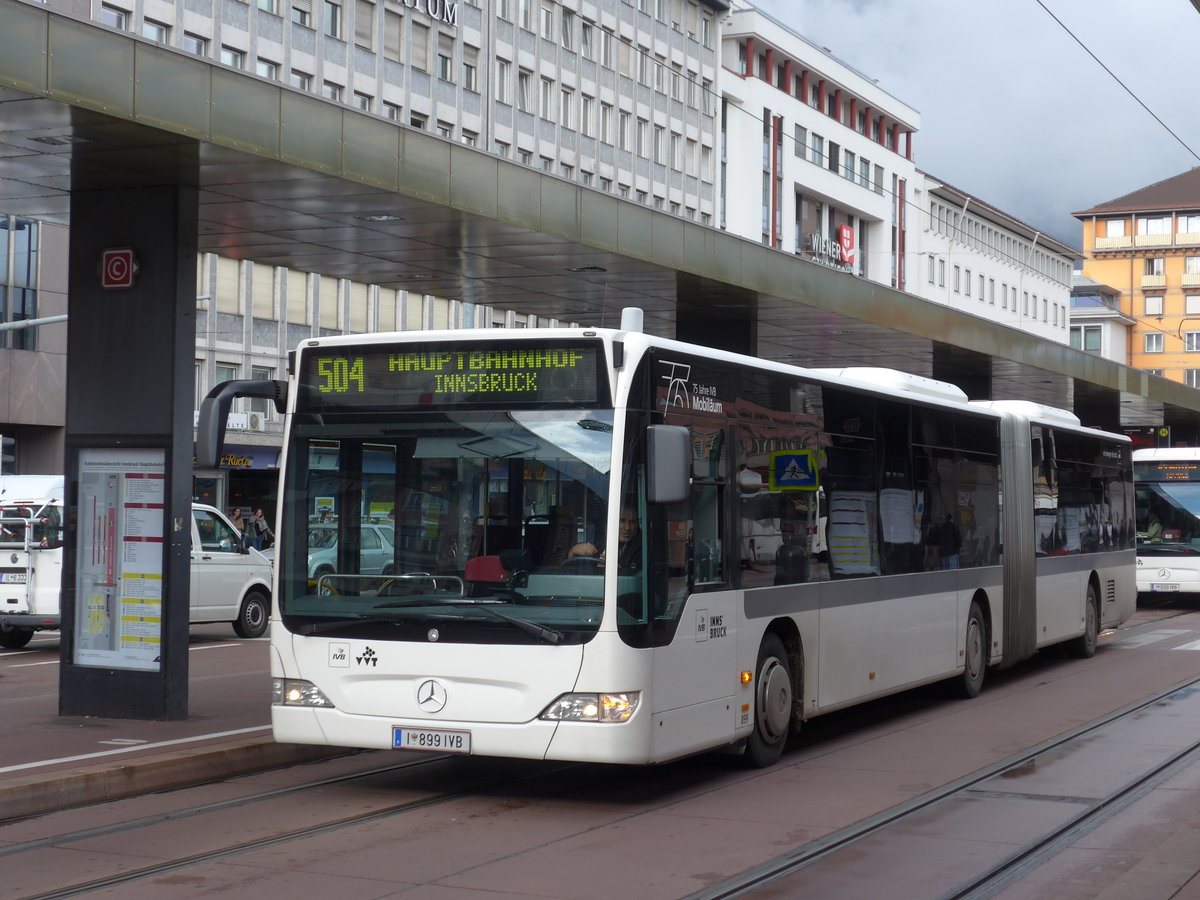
(339, 655)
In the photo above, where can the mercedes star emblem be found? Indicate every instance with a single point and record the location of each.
(431, 696)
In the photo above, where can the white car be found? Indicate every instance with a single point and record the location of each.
(230, 581)
(375, 556)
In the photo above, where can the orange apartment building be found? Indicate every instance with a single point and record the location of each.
(1146, 246)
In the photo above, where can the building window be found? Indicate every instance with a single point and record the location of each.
(586, 40)
(301, 14)
(333, 19)
(1191, 341)
(445, 129)
(1158, 372)
(364, 24)
(1086, 338)
(445, 59)
(470, 69)
(967, 282)
(1154, 306)
(849, 165)
(527, 14)
(835, 156)
(1189, 224)
(547, 20)
(1153, 342)
(565, 97)
(546, 108)
(232, 57)
(266, 69)
(331, 91)
(1191, 377)
(525, 91)
(957, 283)
(417, 120)
(114, 17)
(587, 113)
(1114, 228)
(268, 6)
(195, 44)
(568, 29)
(1191, 304)
(363, 101)
(156, 31)
(1154, 225)
(392, 111)
(1154, 265)
(420, 46)
(393, 35)
(301, 80)
(502, 69)
(818, 149)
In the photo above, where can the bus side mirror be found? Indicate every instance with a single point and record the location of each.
(670, 463)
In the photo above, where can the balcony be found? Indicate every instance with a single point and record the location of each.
(1190, 279)
(1154, 282)
(1114, 243)
(1152, 240)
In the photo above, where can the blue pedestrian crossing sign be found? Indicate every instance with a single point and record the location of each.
(794, 470)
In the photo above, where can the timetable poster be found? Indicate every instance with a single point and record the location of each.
(119, 570)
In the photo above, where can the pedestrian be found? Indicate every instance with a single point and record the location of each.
(235, 516)
(261, 532)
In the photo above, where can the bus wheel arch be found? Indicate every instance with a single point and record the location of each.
(1084, 646)
(778, 695)
(253, 614)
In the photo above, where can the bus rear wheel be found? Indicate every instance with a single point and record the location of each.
(14, 638)
(773, 701)
(253, 616)
(1084, 646)
(970, 683)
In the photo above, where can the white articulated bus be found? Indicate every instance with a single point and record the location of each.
(1168, 519)
(617, 548)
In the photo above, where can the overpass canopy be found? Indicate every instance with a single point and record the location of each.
(289, 179)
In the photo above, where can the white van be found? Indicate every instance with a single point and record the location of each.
(230, 582)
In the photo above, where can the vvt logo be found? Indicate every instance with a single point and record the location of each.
(368, 658)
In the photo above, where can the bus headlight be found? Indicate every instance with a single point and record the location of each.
(592, 707)
(294, 692)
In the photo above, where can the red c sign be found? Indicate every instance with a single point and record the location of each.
(117, 268)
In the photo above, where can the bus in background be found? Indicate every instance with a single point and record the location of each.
(642, 549)
(1167, 482)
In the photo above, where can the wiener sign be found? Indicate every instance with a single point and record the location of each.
(390, 376)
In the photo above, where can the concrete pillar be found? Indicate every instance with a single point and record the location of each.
(130, 389)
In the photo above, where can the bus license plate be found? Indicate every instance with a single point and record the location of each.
(431, 739)
(13, 578)
(1164, 587)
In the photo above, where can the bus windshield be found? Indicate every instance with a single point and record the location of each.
(459, 525)
(1168, 517)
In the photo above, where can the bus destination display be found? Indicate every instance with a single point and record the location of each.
(388, 376)
(1175, 470)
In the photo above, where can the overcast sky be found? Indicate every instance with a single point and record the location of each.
(1013, 109)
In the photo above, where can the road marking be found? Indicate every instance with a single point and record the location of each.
(103, 753)
(49, 662)
(1194, 645)
(1150, 637)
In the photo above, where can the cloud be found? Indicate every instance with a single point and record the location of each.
(1013, 109)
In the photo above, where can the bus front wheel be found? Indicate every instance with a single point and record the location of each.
(773, 700)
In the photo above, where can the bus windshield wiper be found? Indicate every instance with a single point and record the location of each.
(542, 633)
